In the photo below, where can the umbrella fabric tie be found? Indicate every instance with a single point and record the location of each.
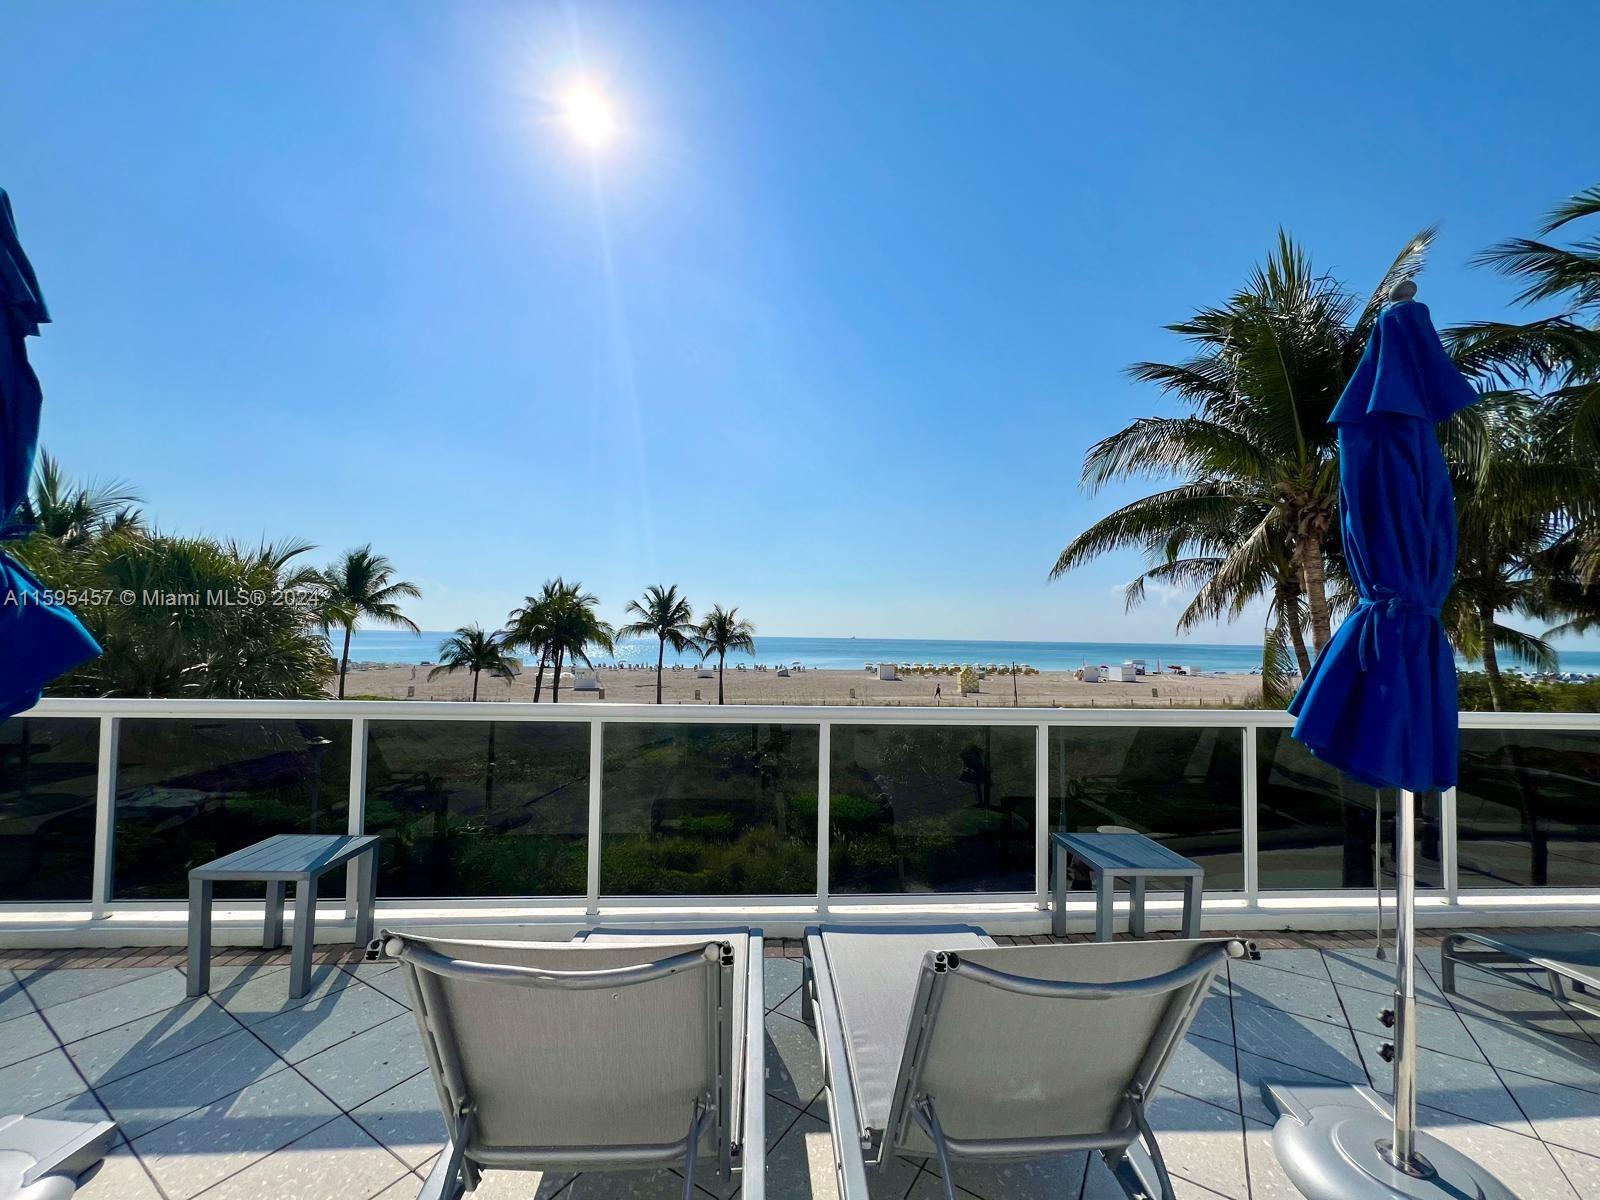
(1395, 602)
(1368, 653)
(15, 531)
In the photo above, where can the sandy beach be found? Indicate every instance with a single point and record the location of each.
(1045, 690)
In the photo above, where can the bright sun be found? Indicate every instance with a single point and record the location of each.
(589, 116)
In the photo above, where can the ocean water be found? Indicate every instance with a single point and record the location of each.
(396, 646)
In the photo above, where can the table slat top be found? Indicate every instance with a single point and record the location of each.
(1126, 854)
(287, 856)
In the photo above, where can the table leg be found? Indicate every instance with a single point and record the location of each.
(200, 895)
(1192, 896)
(1136, 906)
(1058, 892)
(305, 915)
(366, 895)
(272, 934)
(1105, 890)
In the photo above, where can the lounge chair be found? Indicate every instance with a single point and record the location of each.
(611, 1052)
(1568, 959)
(936, 1043)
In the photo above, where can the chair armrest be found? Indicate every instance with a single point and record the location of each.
(753, 1137)
(849, 1161)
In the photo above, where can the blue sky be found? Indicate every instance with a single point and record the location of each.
(823, 333)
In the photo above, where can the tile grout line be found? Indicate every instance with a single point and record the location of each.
(94, 1089)
(1486, 1062)
(1238, 1082)
(254, 1161)
(89, 1090)
(339, 1108)
(110, 987)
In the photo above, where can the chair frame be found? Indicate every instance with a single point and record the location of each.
(1567, 983)
(457, 1171)
(1129, 1148)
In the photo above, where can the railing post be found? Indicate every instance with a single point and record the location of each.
(1041, 817)
(1447, 847)
(1252, 829)
(357, 806)
(824, 808)
(105, 816)
(596, 770)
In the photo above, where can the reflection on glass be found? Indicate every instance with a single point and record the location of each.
(709, 810)
(917, 809)
(47, 785)
(1181, 786)
(479, 808)
(1315, 823)
(1528, 809)
(190, 790)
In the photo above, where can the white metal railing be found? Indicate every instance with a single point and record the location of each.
(112, 713)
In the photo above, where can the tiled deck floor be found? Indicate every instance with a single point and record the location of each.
(243, 1095)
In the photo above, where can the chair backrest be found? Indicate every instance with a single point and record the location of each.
(1043, 1047)
(580, 1053)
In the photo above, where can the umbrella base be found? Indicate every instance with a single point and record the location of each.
(1333, 1142)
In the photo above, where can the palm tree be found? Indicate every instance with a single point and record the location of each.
(74, 513)
(1524, 496)
(361, 586)
(722, 631)
(666, 615)
(1559, 356)
(471, 649)
(1228, 570)
(574, 627)
(1257, 490)
(257, 651)
(1563, 350)
(529, 626)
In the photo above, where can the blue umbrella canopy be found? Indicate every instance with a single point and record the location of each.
(39, 639)
(1380, 701)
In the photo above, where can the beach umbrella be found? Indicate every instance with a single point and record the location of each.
(39, 638)
(1380, 703)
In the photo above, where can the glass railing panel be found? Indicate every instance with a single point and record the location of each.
(48, 768)
(190, 790)
(1315, 825)
(479, 808)
(1528, 809)
(932, 809)
(709, 810)
(1182, 786)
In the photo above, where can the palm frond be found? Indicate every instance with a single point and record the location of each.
(1584, 204)
(1408, 264)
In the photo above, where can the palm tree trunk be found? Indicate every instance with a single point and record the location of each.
(555, 678)
(661, 657)
(1297, 636)
(1314, 573)
(538, 679)
(344, 660)
(1286, 599)
(722, 660)
(1491, 658)
(474, 687)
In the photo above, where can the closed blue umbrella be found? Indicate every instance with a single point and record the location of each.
(39, 639)
(1380, 702)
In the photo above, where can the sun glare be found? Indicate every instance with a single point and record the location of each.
(589, 116)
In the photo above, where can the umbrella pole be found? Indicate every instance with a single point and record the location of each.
(1404, 1149)
(1377, 860)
